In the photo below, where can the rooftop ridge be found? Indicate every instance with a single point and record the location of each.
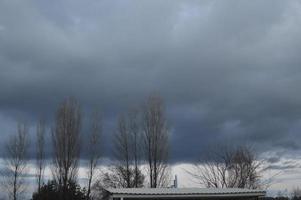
(176, 191)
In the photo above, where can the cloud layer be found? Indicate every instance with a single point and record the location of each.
(228, 71)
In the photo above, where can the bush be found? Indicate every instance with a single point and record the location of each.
(53, 191)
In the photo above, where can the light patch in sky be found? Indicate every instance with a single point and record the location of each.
(283, 180)
(2, 28)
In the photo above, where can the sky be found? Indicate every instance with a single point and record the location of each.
(228, 71)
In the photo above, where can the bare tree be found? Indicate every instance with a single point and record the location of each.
(16, 162)
(94, 149)
(66, 144)
(115, 177)
(40, 153)
(126, 172)
(156, 140)
(123, 150)
(228, 168)
(136, 140)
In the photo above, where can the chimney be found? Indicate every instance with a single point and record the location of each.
(175, 182)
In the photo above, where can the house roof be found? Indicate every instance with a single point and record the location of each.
(196, 192)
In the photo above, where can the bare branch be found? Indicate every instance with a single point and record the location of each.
(156, 140)
(40, 154)
(16, 162)
(236, 167)
(66, 143)
(94, 148)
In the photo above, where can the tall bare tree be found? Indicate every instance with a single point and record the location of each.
(229, 167)
(16, 162)
(156, 141)
(134, 125)
(125, 172)
(94, 149)
(66, 144)
(40, 153)
(122, 152)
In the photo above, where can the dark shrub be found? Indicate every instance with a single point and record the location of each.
(53, 191)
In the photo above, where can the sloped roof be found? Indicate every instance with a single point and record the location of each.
(186, 191)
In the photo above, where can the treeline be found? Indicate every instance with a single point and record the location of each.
(141, 136)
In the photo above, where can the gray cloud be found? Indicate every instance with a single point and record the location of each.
(228, 71)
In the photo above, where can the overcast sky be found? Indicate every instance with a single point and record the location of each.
(228, 71)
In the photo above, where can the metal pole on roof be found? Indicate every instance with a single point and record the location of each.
(175, 182)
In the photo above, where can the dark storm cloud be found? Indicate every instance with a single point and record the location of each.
(229, 71)
(273, 159)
